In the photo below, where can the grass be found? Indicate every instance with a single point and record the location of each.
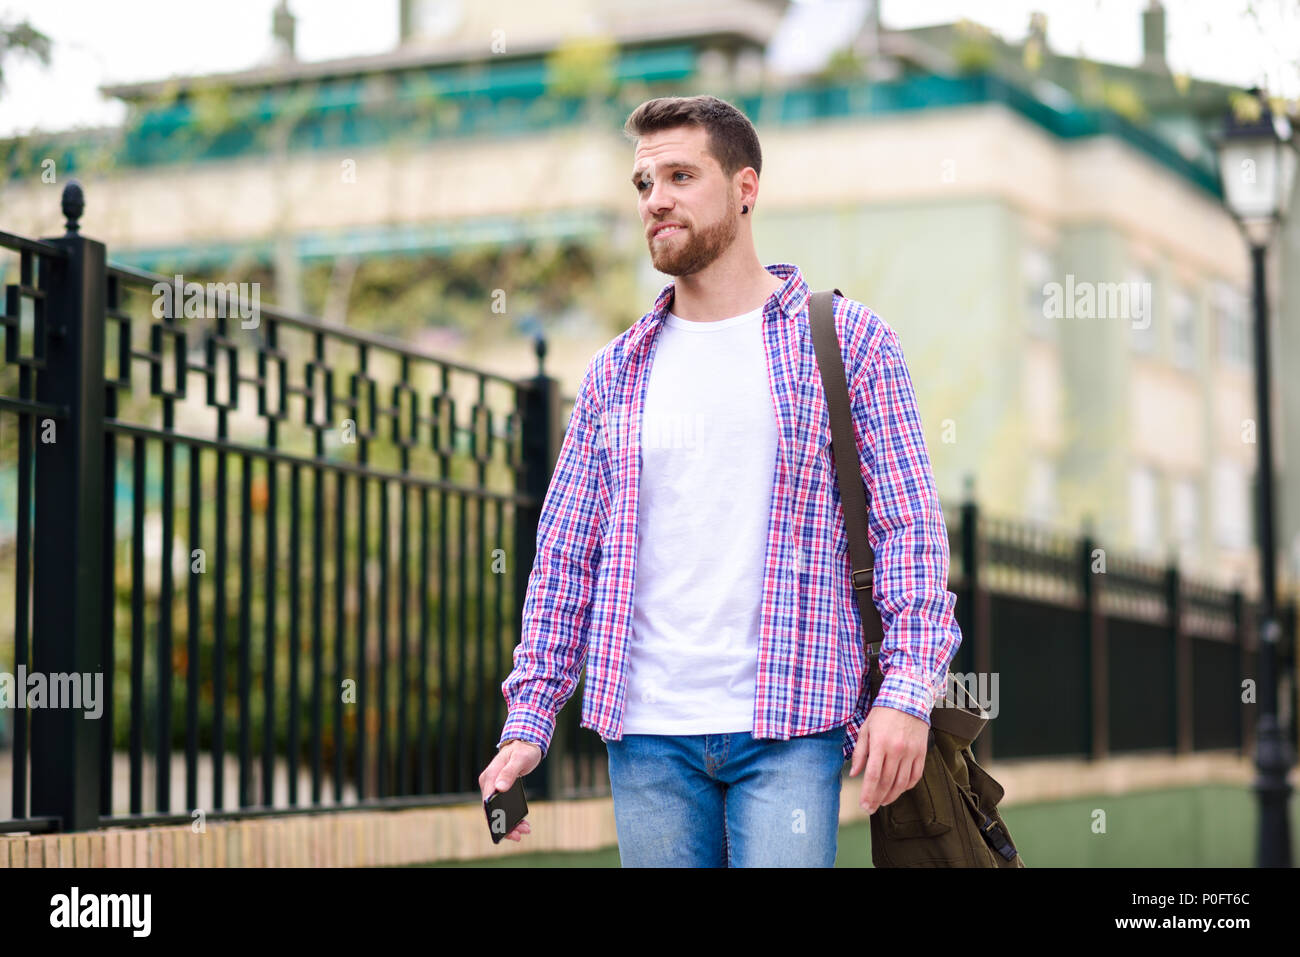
(1208, 826)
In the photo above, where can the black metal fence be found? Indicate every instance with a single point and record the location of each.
(1094, 653)
(1077, 651)
(296, 554)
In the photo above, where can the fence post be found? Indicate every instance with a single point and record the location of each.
(1290, 679)
(1243, 668)
(542, 434)
(1182, 655)
(980, 653)
(1098, 651)
(68, 548)
(970, 566)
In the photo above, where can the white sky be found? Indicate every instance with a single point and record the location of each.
(112, 41)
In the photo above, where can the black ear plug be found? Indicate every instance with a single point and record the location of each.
(744, 209)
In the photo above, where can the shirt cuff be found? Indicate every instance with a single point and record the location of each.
(907, 692)
(528, 724)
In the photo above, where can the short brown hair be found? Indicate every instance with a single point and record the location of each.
(732, 138)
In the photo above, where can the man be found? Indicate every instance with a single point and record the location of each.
(691, 549)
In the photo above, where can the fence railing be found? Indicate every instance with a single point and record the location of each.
(296, 553)
(293, 552)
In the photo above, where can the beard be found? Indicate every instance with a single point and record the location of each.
(698, 248)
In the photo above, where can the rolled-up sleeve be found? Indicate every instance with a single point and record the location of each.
(557, 604)
(908, 535)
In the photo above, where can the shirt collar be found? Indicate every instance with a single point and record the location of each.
(790, 300)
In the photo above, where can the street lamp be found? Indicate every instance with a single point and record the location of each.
(1257, 164)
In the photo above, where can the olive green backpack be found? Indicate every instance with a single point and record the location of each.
(950, 818)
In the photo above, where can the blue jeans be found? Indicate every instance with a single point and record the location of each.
(726, 800)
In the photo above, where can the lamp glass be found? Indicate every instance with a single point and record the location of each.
(1251, 177)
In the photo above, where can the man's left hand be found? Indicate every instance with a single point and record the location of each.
(892, 745)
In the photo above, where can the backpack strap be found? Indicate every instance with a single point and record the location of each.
(853, 495)
(965, 721)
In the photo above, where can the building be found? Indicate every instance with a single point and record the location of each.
(1046, 235)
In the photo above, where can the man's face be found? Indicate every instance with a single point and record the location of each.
(686, 203)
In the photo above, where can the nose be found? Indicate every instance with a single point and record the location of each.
(656, 199)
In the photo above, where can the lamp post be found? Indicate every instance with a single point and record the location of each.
(1257, 164)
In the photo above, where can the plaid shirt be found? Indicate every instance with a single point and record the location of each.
(578, 605)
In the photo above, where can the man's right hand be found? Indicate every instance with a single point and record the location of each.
(515, 759)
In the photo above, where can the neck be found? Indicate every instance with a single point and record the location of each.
(729, 286)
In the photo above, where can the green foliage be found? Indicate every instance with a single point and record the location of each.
(1033, 55)
(1245, 107)
(1124, 99)
(582, 67)
(1115, 95)
(973, 48)
(843, 66)
(402, 295)
(21, 37)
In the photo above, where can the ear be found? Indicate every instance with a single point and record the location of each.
(747, 180)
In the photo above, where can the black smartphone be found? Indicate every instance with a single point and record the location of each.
(505, 809)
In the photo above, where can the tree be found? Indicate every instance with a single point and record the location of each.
(22, 37)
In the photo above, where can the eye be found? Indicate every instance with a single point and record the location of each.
(642, 184)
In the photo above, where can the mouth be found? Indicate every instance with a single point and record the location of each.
(667, 230)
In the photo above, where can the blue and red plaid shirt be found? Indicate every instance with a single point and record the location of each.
(578, 605)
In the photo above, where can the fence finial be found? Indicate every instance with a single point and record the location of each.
(539, 348)
(74, 203)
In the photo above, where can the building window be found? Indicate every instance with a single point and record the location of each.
(1037, 269)
(1231, 505)
(1144, 509)
(1234, 344)
(1141, 309)
(1041, 494)
(1182, 323)
(1186, 518)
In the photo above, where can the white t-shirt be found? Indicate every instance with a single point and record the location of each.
(708, 453)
